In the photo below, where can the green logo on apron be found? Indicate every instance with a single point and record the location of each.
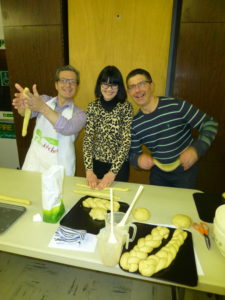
(39, 138)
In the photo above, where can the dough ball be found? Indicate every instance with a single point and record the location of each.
(172, 250)
(142, 255)
(133, 268)
(181, 221)
(141, 214)
(133, 260)
(100, 203)
(163, 231)
(116, 206)
(124, 260)
(146, 268)
(153, 243)
(98, 213)
(89, 202)
(162, 264)
(141, 242)
(146, 248)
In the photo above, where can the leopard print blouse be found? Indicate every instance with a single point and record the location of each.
(107, 135)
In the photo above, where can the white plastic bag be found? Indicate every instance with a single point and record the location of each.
(52, 202)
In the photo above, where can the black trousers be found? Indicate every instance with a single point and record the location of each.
(101, 168)
(177, 178)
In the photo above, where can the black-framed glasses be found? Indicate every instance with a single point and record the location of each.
(106, 86)
(139, 84)
(67, 80)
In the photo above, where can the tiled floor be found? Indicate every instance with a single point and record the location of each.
(23, 278)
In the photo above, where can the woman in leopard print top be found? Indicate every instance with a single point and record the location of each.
(107, 135)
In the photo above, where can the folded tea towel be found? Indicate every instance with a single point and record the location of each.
(73, 239)
(69, 235)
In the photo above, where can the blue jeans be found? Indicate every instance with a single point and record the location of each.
(177, 178)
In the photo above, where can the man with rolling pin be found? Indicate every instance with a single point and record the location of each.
(58, 122)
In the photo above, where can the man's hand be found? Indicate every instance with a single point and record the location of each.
(27, 100)
(34, 101)
(18, 102)
(188, 158)
(92, 179)
(145, 161)
(106, 181)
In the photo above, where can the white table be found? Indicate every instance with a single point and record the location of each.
(31, 239)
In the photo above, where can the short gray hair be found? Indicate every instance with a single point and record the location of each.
(67, 68)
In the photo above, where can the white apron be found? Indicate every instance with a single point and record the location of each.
(49, 147)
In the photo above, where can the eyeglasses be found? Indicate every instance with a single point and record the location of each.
(139, 84)
(67, 80)
(105, 86)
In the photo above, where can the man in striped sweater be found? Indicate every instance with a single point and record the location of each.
(164, 125)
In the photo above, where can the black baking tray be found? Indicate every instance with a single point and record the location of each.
(182, 269)
(9, 213)
(206, 204)
(78, 217)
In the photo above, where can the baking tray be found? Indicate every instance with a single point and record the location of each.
(182, 269)
(78, 217)
(9, 213)
(206, 204)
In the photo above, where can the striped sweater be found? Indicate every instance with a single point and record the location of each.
(167, 131)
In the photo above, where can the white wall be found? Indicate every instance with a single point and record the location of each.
(8, 154)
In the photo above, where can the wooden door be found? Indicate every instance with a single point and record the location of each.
(199, 77)
(127, 34)
(33, 33)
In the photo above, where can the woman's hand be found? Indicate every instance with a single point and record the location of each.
(106, 181)
(92, 179)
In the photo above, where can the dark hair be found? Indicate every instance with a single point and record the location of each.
(67, 68)
(111, 75)
(139, 72)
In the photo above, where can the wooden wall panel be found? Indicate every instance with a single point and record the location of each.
(31, 12)
(128, 34)
(199, 78)
(35, 48)
(203, 11)
(200, 70)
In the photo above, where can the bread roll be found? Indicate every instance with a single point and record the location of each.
(141, 214)
(181, 221)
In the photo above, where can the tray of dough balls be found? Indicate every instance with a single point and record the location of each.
(163, 253)
(89, 214)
